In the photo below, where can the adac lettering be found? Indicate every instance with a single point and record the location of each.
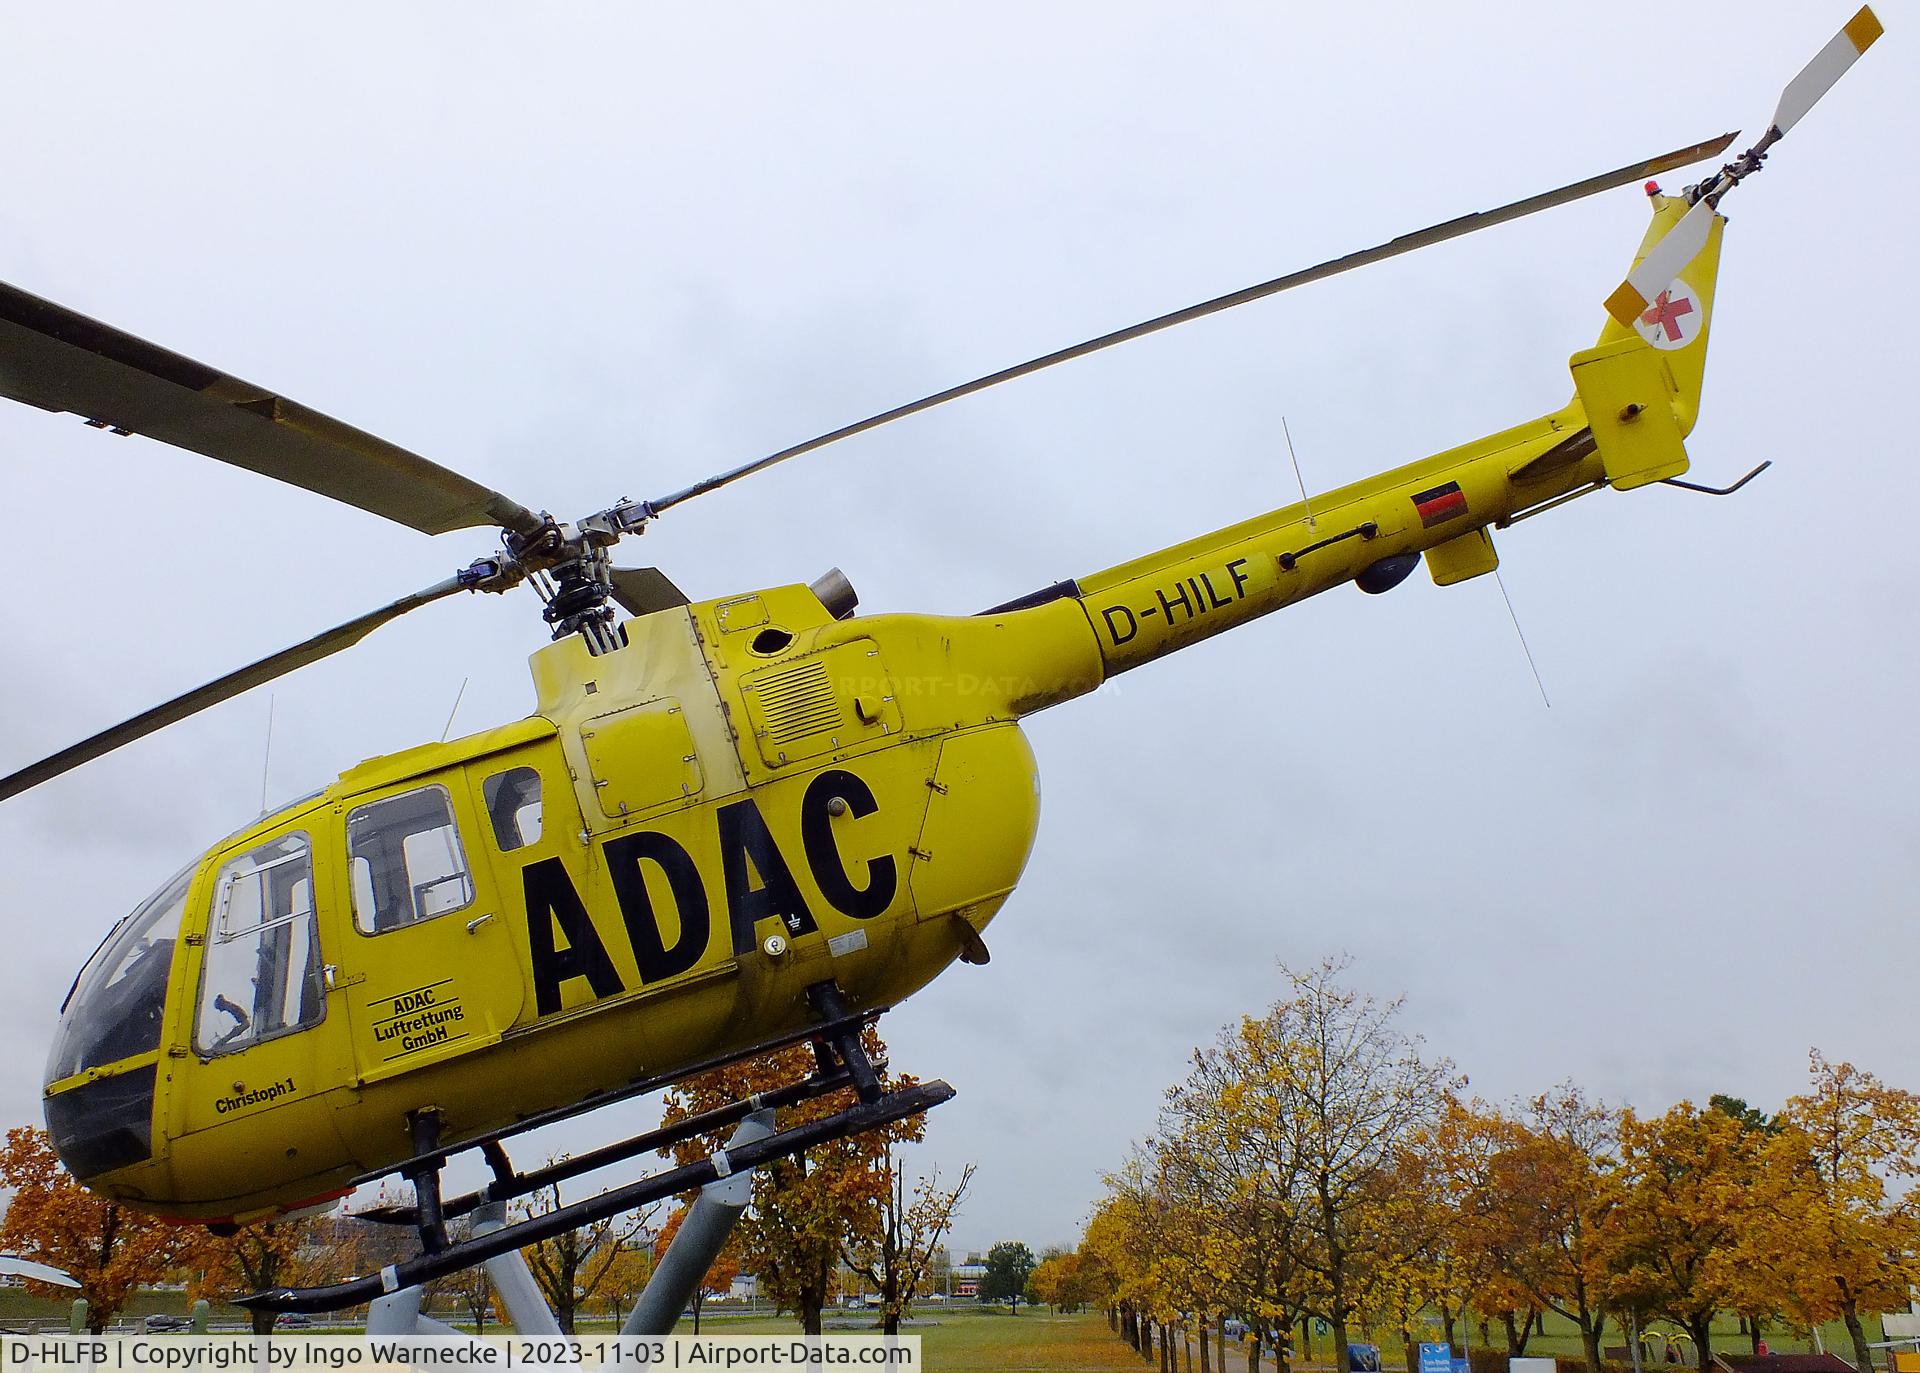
(757, 885)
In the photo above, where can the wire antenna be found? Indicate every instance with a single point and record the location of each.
(1311, 522)
(1498, 581)
(457, 696)
(266, 762)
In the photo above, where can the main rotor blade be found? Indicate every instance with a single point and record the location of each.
(11, 1267)
(1406, 243)
(255, 674)
(58, 359)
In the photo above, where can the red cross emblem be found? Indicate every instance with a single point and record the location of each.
(1665, 314)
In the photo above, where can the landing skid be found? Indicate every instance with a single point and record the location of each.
(723, 1178)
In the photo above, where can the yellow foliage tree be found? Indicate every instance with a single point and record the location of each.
(1838, 1216)
(108, 1249)
(1551, 1188)
(1353, 1091)
(1230, 1155)
(1685, 1204)
(1123, 1237)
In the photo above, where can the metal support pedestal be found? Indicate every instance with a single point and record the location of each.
(702, 1235)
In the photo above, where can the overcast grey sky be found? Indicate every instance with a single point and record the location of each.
(604, 250)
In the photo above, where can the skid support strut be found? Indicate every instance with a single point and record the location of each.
(843, 1043)
(842, 1062)
(702, 1235)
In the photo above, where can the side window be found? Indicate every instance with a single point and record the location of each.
(407, 862)
(513, 805)
(262, 976)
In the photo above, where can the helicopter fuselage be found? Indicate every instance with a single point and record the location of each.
(749, 798)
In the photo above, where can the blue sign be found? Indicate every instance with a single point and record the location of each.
(1436, 1358)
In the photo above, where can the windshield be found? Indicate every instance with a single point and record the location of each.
(114, 1009)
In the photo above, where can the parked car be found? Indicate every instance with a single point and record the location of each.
(160, 1323)
(292, 1320)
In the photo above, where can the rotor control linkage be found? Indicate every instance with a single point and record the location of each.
(867, 1115)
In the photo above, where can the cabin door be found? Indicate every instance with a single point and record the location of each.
(266, 1034)
(432, 973)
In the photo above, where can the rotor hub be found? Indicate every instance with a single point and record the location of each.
(577, 592)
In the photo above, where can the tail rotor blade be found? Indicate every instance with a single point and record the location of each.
(1828, 66)
(1660, 266)
(1685, 240)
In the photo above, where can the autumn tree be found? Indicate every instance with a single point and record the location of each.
(287, 1253)
(1765, 1273)
(473, 1288)
(1228, 1151)
(626, 1276)
(897, 1256)
(807, 1211)
(1441, 1192)
(1093, 1281)
(52, 1219)
(1482, 1218)
(717, 1281)
(572, 1266)
(1056, 1282)
(1354, 1090)
(1551, 1189)
(1839, 1199)
(1140, 1233)
(1120, 1237)
(1685, 1198)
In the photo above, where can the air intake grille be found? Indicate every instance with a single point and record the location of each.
(797, 701)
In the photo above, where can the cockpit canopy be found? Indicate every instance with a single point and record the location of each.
(113, 1013)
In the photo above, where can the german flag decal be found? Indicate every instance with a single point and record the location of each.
(1441, 504)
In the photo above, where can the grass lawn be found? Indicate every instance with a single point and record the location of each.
(963, 1338)
(977, 1340)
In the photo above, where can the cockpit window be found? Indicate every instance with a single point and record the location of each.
(513, 805)
(263, 970)
(407, 861)
(114, 1009)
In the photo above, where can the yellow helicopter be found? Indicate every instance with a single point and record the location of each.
(729, 825)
